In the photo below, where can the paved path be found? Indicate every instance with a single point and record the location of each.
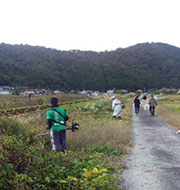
(154, 162)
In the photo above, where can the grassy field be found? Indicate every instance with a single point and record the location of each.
(169, 110)
(95, 152)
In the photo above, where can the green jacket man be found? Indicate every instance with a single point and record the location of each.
(56, 118)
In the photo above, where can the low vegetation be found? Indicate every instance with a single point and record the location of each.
(94, 159)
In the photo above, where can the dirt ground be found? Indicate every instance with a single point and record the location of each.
(154, 162)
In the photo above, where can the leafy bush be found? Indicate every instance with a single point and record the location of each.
(10, 127)
(31, 167)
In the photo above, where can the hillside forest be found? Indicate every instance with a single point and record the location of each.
(142, 66)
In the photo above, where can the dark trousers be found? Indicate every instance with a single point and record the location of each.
(152, 109)
(137, 109)
(58, 140)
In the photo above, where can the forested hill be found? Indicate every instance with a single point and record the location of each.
(147, 65)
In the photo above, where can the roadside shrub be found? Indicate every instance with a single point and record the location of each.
(31, 167)
(10, 127)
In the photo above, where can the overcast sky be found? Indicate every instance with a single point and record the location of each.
(96, 25)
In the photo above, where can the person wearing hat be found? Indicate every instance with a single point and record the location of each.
(56, 118)
(116, 107)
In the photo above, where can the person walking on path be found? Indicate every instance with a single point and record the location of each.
(154, 160)
(116, 107)
(152, 105)
(56, 118)
(137, 104)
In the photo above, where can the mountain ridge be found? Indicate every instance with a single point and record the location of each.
(144, 65)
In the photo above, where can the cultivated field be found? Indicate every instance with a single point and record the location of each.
(10, 101)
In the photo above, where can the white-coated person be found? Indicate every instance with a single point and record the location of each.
(116, 107)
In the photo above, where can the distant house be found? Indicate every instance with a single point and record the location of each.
(84, 92)
(6, 90)
(110, 91)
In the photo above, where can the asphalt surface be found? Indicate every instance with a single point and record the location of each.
(154, 162)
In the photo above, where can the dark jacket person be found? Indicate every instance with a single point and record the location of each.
(137, 104)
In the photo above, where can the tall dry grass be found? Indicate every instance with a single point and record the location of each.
(169, 116)
(103, 131)
(115, 134)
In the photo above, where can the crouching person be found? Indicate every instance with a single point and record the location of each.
(116, 107)
(56, 118)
